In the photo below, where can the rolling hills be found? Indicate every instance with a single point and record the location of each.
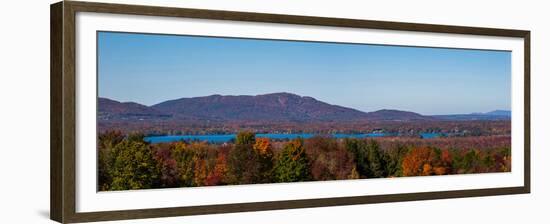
(283, 107)
(274, 107)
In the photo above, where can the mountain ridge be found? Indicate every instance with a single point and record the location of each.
(274, 106)
(271, 107)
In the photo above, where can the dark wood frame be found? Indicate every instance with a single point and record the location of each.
(62, 131)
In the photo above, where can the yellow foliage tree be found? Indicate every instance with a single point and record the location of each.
(263, 147)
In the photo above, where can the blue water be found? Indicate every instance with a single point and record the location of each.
(426, 135)
(230, 137)
(175, 138)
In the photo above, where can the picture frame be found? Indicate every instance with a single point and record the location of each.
(64, 104)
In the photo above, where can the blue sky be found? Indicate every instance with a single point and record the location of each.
(149, 69)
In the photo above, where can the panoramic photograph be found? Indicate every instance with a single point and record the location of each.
(193, 111)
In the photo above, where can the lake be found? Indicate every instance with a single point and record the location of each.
(230, 137)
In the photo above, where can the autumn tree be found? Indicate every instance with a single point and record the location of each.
(419, 162)
(264, 150)
(328, 159)
(502, 160)
(106, 142)
(494, 160)
(184, 163)
(169, 176)
(353, 174)
(204, 161)
(292, 164)
(445, 163)
(217, 176)
(109, 139)
(245, 138)
(243, 162)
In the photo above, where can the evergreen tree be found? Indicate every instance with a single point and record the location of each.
(369, 159)
(393, 159)
(359, 150)
(292, 164)
(375, 160)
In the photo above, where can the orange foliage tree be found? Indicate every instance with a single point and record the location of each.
(216, 177)
(264, 151)
(263, 147)
(422, 161)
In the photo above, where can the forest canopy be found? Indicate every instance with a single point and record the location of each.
(126, 161)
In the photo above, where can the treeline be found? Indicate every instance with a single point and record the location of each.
(127, 162)
(409, 128)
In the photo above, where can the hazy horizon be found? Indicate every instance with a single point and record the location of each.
(149, 69)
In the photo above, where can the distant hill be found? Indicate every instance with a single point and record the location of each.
(493, 115)
(111, 109)
(500, 113)
(396, 115)
(268, 107)
(274, 107)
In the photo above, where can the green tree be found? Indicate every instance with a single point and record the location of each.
(106, 142)
(469, 162)
(359, 150)
(136, 137)
(393, 159)
(375, 160)
(245, 138)
(133, 166)
(368, 157)
(292, 164)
